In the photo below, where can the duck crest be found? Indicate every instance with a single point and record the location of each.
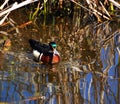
(45, 53)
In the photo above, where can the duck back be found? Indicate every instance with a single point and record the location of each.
(36, 45)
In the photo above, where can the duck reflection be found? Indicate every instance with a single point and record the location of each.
(57, 86)
(4, 47)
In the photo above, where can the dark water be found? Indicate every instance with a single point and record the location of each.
(87, 74)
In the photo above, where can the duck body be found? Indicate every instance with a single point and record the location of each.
(46, 53)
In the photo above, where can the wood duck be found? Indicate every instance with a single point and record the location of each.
(45, 53)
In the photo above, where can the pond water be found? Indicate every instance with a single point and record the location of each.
(87, 74)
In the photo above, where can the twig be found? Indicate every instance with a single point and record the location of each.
(81, 6)
(115, 3)
(96, 11)
(1, 21)
(16, 6)
(4, 18)
(109, 38)
(118, 50)
(89, 89)
(3, 32)
(105, 9)
(20, 26)
(31, 99)
(2, 6)
(4, 24)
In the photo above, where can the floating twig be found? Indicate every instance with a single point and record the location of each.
(20, 26)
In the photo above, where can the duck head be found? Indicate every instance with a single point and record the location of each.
(52, 45)
(56, 55)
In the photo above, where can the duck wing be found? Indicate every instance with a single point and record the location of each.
(36, 45)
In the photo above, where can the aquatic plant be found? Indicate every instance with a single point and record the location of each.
(101, 10)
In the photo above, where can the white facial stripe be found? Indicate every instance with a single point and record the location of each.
(55, 52)
(40, 56)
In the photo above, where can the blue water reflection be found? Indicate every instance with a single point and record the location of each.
(91, 87)
(14, 90)
(37, 84)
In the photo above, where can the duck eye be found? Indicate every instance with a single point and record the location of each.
(54, 45)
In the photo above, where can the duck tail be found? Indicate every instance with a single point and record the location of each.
(33, 43)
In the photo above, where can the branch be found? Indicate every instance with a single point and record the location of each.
(1, 21)
(2, 6)
(17, 6)
(96, 12)
(115, 3)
